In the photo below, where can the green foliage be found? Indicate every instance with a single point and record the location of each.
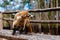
(59, 2)
(2, 5)
(6, 16)
(5, 24)
(45, 24)
(27, 1)
(6, 3)
(11, 0)
(49, 14)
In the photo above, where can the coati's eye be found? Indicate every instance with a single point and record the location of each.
(28, 16)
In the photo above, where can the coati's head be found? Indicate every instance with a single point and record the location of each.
(24, 14)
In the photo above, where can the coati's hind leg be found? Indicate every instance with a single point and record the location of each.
(21, 30)
(25, 31)
(28, 29)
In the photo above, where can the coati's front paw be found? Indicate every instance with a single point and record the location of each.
(13, 33)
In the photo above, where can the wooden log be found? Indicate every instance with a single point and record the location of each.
(11, 37)
(7, 35)
(37, 21)
(35, 10)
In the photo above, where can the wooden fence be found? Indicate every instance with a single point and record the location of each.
(33, 21)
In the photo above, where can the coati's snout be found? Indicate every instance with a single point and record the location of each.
(31, 16)
(24, 16)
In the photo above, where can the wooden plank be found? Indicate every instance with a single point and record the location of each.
(45, 21)
(7, 35)
(37, 21)
(35, 10)
(1, 22)
(8, 19)
(34, 36)
(11, 37)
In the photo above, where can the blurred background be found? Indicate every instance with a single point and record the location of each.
(13, 5)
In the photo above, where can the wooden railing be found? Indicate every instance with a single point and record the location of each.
(32, 21)
(36, 21)
(35, 10)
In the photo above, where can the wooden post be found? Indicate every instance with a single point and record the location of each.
(57, 17)
(53, 26)
(46, 18)
(1, 21)
(39, 15)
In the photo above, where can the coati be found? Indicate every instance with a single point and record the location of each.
(22, 23)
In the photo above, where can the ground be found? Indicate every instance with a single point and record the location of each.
(34, 36)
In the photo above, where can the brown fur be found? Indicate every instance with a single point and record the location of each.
(23, 20)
